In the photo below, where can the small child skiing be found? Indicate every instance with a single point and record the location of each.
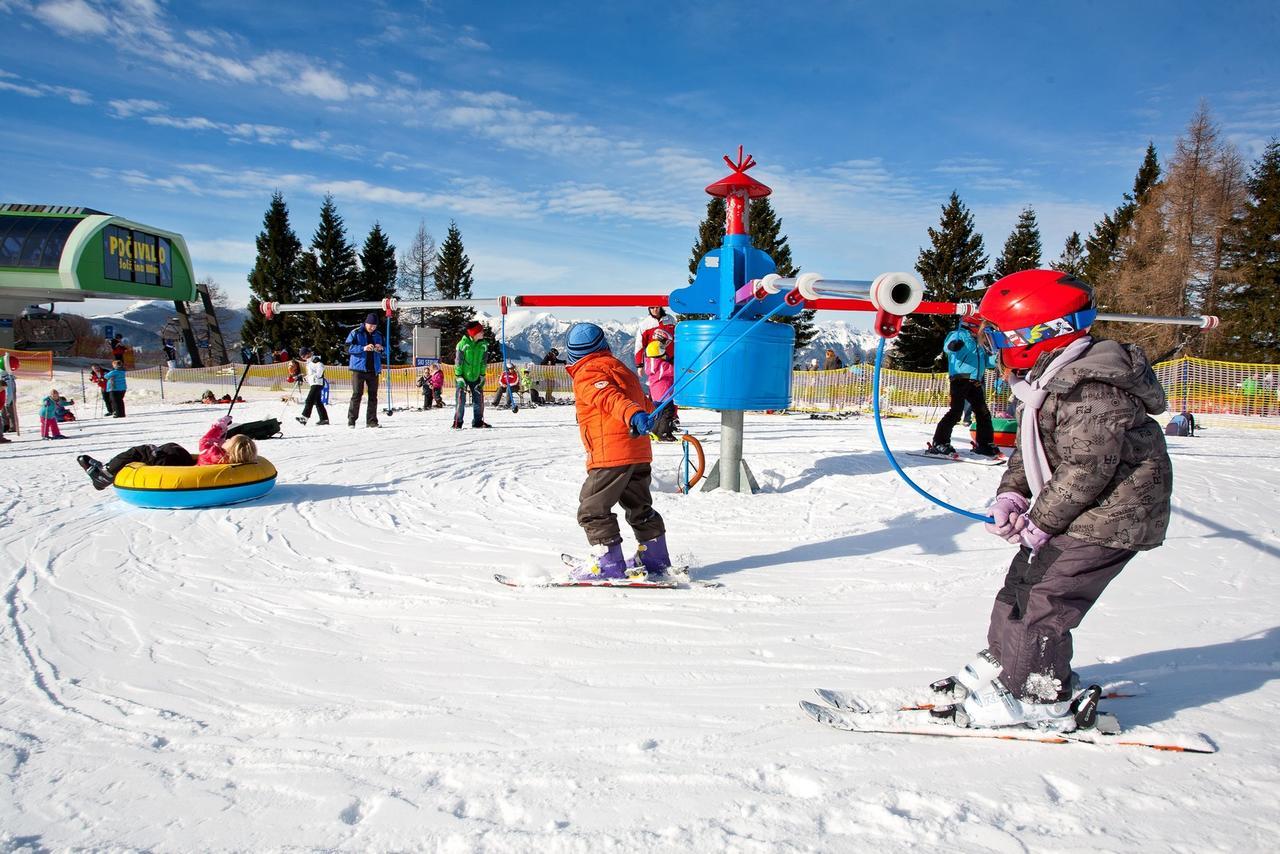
(508, 385)
(424, 383)
(437, 385)
(1087, 488)
(613, 420)
(98, 377)
(52, 408)
(659, 370)
(315, 389)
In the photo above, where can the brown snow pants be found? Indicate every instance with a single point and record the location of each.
(1044, 597)
(625, 485)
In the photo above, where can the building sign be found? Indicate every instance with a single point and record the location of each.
(135, 256)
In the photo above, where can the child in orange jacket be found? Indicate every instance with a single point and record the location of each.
(614, 421)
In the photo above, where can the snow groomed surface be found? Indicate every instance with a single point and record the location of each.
(333, 667)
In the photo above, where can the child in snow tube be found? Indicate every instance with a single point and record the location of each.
(226, 470)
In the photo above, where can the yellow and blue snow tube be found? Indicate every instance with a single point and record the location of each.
(194, 486)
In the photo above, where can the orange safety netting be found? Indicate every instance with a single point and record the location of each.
(31, 363)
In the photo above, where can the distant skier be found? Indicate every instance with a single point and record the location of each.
(315, 389)
(659, 370)
(469, 367)
(967, 364)
(614, 422)
(508, 386)
(117, 386)
(1087, 489)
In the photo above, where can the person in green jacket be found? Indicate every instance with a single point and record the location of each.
(468, 368)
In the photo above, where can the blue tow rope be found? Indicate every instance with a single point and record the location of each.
(875, 393)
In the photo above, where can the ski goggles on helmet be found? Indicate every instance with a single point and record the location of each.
(993, 339)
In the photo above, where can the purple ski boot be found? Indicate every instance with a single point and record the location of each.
(652, 559)
(607, 564)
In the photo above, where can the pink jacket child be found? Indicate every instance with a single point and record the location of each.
(211, 453)
(659, 354)
(437, 379)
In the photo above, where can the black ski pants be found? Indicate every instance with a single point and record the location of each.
(360, 381)
(168, 454)
(625, 485)
(313, 401)
(965, 389)
(1044, 597)
(117, 404)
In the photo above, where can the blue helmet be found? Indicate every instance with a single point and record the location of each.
(584, 339)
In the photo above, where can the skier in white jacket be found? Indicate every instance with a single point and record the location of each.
(315, 380)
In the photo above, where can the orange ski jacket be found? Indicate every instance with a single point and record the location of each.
(606, 394)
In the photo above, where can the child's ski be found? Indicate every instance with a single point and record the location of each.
(922, 699)
(622, 583)
(976, 459)
(920, 722)
(679, 573)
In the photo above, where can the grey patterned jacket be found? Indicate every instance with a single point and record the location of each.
(1112, 477)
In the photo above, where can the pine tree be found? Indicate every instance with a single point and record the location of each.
(453, 280)
(1071, 261)
(1104, 247)
(1250, 302)
(275, 278)
(378, 274)
(1022, 249)
(954, 257)
(331, 275)
(767, 236)
(416, 266)
(710, 235)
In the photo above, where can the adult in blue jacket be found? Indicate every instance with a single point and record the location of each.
(364, 345)
(967, 363)
(116, 387)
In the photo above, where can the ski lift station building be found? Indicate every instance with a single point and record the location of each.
(54, 253)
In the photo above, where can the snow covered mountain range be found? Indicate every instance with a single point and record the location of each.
(530, 334)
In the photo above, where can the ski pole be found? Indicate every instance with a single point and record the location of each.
(236, 395)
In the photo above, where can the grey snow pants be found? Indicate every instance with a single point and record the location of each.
(1044, 597)
(625, 485)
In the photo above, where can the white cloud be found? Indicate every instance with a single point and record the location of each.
(10, 82)
(72, 17)
(134, 107)
(318, 83)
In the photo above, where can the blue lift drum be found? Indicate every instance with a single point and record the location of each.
(754, 375)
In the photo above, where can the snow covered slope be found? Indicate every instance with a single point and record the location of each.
(333, 667)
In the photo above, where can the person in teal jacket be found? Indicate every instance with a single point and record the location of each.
(468, 367)
(51, 409)
(116, 387)
(967, 363)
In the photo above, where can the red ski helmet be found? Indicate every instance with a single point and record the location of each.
(1033, 312)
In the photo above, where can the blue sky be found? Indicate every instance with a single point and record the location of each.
(572, 142)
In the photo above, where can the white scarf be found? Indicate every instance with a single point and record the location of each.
(1033, 394)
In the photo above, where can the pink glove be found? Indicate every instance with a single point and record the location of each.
(224, 422)
(1033, 537)
(1009, 513)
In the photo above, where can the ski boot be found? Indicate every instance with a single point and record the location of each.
(987, 703)
(99, 475)
(986, 450)
(457, 425)
(481, 425)
(301, 420)
(941, 449)
(607, 564)
(651, 560)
